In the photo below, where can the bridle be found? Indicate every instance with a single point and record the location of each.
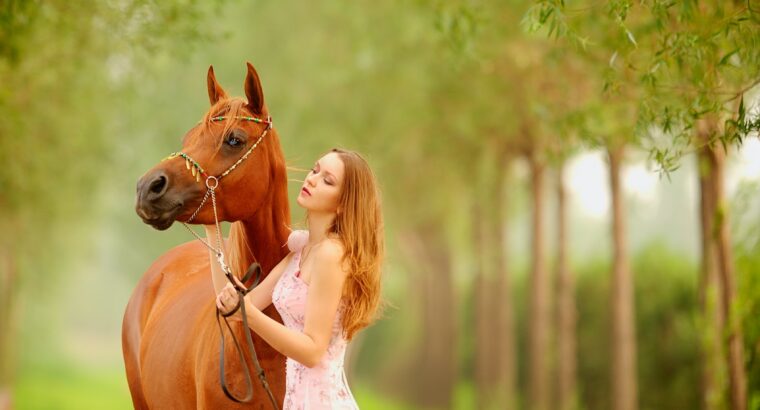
(212, 182)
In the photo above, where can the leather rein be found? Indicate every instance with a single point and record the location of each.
(212, 182)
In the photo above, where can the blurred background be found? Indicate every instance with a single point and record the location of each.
(570, 191)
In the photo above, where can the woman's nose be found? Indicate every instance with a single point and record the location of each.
(310, 180)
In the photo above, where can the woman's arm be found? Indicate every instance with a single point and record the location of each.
(261, 295)
(325, 291)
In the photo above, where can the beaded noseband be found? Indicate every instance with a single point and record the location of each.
(212, 182)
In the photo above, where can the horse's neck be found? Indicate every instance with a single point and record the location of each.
(267, 229)
(265, 232)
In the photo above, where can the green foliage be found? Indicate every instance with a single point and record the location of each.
(678, 61)
(62, 94)
(667, 342)
(667, 333)
(666, 324)
(459, 26)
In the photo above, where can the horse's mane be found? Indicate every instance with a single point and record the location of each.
(229, 107)
(238, 248)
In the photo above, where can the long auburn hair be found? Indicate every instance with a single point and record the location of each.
(359, 226)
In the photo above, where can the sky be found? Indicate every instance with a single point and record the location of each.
(587, 179)
(658, 211)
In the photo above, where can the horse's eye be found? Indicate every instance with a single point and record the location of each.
(233, 141)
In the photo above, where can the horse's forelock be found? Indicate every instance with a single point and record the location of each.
(228, 107)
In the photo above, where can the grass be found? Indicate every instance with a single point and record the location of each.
(371, 400)
(57, 386)
(62, 386)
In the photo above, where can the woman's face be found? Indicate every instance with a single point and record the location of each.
(321, 189)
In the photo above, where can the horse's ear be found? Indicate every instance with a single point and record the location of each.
(253, 91)
(215, 91)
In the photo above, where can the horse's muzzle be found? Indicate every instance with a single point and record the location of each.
(154, 204)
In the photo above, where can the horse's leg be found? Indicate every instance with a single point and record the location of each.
(130, 344)
(133, 323)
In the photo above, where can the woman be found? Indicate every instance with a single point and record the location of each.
(327, 288)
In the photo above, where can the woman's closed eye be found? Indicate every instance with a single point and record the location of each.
(314, 171)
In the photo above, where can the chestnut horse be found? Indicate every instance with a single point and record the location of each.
(170, 337)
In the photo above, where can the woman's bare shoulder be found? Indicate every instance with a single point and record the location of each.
(331, 252)
(332, 246)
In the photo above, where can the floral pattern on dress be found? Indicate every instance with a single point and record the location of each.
(323, 386)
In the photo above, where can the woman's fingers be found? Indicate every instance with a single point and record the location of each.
(226, 297)
(222, 299)
(228, 291)
(237, 281)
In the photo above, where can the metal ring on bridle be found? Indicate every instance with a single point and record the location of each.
(210, 178)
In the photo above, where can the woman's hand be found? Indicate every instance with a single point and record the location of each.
(226, 301)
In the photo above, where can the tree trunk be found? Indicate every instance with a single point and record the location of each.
(441, 337)
(539, 314)
(624, 386)
(483, 313)
(505, 356)
(495, 359)
(714, 158)
(567, 314)
(436, 368)
(713, 364)
(737, 378)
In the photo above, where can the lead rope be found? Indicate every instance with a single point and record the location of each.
(255, 268)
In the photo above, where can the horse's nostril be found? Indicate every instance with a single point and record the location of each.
(158, 184)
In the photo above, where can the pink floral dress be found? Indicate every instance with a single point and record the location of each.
(323, 386)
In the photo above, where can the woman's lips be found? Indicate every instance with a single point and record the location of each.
(306, 191)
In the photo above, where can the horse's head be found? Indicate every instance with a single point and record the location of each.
(234, 143)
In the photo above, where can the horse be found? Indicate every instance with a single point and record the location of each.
(170, 341)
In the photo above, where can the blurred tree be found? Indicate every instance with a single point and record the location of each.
(548, 86)
(608, 123)
(559, 111)
(60, 62)
(691, 62)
